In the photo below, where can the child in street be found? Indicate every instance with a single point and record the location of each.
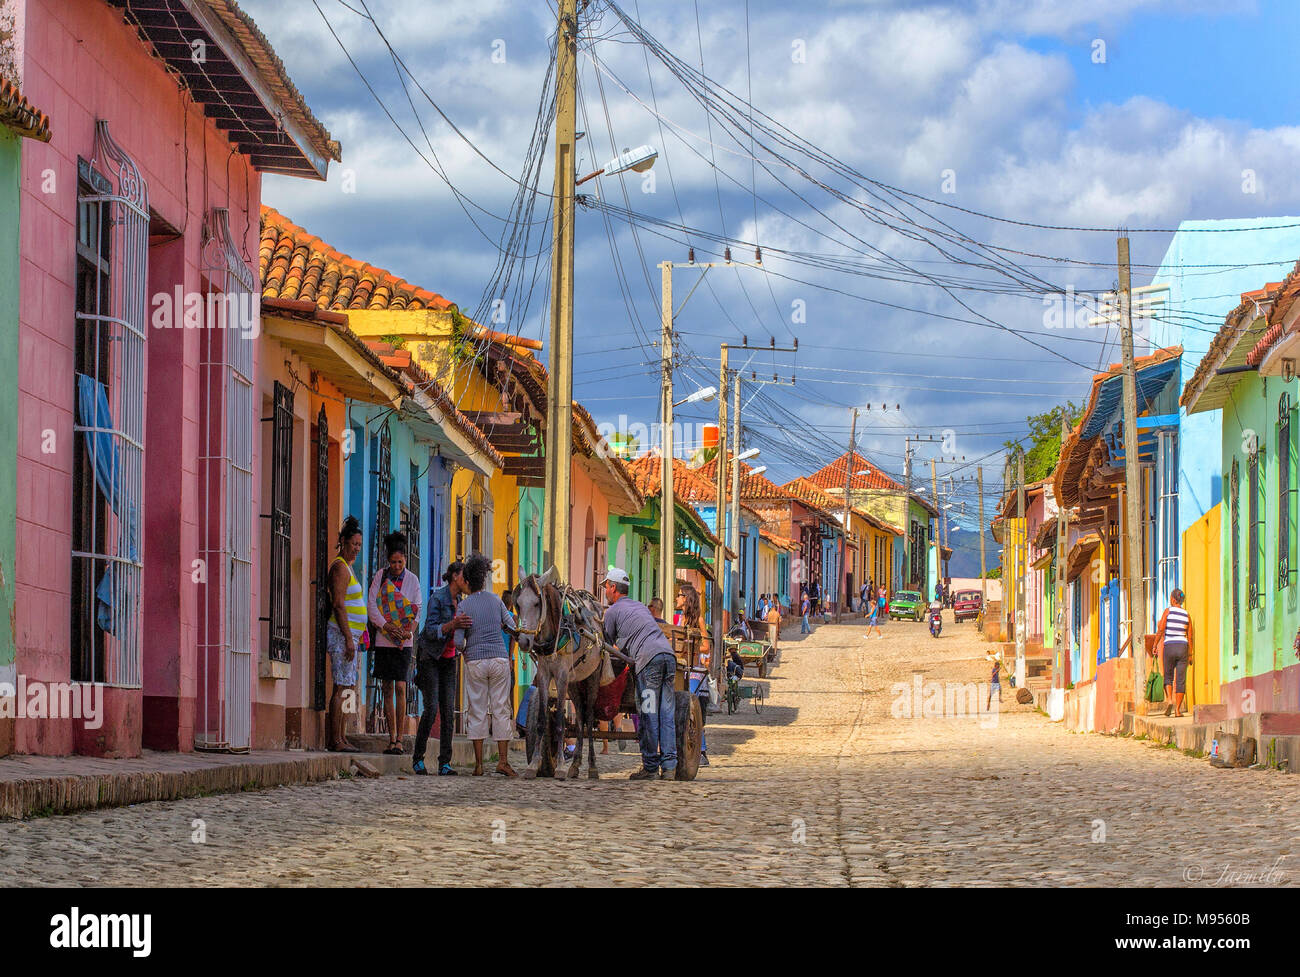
(873, 622)
(995, 680)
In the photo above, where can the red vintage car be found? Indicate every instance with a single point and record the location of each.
(966, 605)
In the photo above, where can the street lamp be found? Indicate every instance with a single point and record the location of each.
(705, 394)
(759, 470)
(747, 454)
(638, 160)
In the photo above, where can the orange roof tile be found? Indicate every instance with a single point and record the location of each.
(20, 115)
(832, 475)
(297, 265)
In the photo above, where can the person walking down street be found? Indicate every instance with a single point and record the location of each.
(873, 622)
(435, 669)
(630, 628)
(487, 665)
(804, 610)
(394, 608)
(995, 680)
(882, 604)
(774, 622)
(1174, 636)
(345, 634)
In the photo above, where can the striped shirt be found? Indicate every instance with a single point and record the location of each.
(1176, 625)
(354, 604)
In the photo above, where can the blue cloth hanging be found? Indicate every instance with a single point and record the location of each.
(93, 412)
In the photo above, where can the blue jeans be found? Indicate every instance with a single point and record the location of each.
(803, 627)
(658, 706)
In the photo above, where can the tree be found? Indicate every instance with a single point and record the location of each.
(1045, 440)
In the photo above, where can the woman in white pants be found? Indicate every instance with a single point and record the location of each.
(487, 666)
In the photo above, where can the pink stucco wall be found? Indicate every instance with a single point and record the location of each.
(587, 498)
(83, 63)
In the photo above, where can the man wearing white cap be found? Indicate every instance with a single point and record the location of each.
(630, 627)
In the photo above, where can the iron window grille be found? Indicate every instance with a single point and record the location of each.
(383, 496)
(1234, 545)
(1286, 494)
(108, 418)
(324, 600)
(279, 645)
(1254, 519)
(227, 425)
(411, 527)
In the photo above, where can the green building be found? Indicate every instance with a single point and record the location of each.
(18, 121)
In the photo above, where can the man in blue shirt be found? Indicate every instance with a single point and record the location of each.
(629, 626)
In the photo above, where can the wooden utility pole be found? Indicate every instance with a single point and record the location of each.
(735, 494)
(720, 516)
(1022, 551)
(1058, 649)
(1132, 482)
(984, 584)
(907, 515)
(938, 554)
(559, 393)
(844, 549)
(667, 513)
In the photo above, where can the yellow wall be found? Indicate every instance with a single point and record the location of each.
(428, 336)
(1201, 572)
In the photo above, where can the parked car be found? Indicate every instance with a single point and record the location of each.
(907, 603)
(966, 605)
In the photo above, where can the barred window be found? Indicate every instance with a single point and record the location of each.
(1286, 494)
(108, 417)
(1254, 525)
(1234, 546)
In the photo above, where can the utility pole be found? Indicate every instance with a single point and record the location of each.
(984, 584)
(1058, 651)
(1132, 483)
(907, 515)
(844, 549)
(735, 493)
(1021, 551)
(559, 394)
(667, 513)
(720, 517)
(934, 494)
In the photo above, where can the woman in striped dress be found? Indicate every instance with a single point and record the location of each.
(346, 632)
(1175, 638)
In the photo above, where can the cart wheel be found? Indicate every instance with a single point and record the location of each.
(758, 698)
(535, 737)
(690, 735)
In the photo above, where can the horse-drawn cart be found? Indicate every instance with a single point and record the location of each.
(587, 660)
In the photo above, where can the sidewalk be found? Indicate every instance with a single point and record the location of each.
(41, 785)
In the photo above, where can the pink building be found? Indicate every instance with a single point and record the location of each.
(139, 432)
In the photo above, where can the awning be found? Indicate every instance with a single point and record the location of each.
(1150, 381)
(1043, 562)
(336, 355)
(1081, 555)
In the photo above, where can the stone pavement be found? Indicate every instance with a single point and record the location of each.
(845, 778)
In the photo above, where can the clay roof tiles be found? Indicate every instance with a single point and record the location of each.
(20, 115)
(295, 264)
(832, 475)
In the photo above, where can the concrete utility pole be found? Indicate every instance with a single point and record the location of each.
(844, 549)
(1132, 482)
(1022, 551)
(1058, 650)
(559, 394)
(668, 513)
(720, 515)
(984, 584)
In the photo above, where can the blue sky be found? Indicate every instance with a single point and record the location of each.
(1000, 96)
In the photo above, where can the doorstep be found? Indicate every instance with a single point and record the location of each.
(1275, 730)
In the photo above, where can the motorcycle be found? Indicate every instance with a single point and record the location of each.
(936, 621)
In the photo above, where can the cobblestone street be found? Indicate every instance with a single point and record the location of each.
(824, 787)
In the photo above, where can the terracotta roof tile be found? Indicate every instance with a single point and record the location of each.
(297, 265)
(832, 475)
(20, 115)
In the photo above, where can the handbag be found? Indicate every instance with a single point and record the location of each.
(1155, 687)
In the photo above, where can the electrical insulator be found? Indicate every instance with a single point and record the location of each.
(726, 255)
(691, 255)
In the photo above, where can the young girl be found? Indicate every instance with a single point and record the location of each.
(872, 620)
